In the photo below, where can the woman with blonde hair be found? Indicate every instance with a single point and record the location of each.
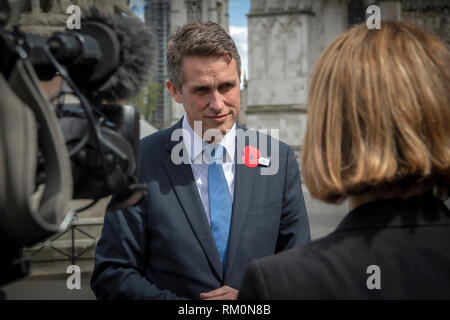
(378, 134)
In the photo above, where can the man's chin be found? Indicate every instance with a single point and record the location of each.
(216, 131)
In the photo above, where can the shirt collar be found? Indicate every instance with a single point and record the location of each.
(195, 144)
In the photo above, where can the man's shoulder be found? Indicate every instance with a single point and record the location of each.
(160, 137)
(155, 138)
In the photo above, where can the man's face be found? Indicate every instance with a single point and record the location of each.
(210, 92)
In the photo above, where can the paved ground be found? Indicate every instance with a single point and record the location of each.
(48, 289)
(323, 219)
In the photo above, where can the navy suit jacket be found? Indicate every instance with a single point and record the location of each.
(385, 249)
(163, 247)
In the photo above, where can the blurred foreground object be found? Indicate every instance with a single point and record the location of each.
(378, 134)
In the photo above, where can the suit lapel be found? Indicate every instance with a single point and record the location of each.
(244, 180)
(183, 183)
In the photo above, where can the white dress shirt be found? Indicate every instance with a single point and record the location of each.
(194, 146)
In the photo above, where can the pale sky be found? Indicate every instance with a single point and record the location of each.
(238, 29)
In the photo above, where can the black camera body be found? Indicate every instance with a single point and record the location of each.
(52, 151)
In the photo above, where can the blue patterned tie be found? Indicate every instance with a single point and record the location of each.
(220, 203)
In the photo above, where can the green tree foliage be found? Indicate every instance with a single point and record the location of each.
(146, 100)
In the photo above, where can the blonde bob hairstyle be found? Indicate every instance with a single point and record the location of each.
(379, 115)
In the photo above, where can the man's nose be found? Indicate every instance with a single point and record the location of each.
(217, 101)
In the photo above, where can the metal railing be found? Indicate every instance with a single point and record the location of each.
(75, 225)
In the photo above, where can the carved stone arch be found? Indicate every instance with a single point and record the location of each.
(257, 48)
(278, 23)
(293, 24)
(277, 49)
(259, 30)
(293, 21)
(277, 26)
(259, 24)
(295, 52)
(269, 23)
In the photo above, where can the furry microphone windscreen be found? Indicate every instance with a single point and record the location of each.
(136, 59)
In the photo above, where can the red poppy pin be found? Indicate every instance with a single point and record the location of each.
(251, 156)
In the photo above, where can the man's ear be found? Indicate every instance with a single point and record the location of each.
(173, 91)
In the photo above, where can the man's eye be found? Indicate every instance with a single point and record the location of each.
(226, 86)
(201, 90)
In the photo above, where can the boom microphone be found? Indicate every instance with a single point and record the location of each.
(135, 62)
(112, 56)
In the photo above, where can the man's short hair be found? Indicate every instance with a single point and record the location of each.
(379, 115)
(198, 39)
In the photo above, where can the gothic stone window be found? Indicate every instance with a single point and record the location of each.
(194, 10)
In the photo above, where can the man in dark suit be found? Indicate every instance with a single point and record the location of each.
(213, 202)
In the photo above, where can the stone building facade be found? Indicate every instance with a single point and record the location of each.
(44, 17)
(285, 38)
